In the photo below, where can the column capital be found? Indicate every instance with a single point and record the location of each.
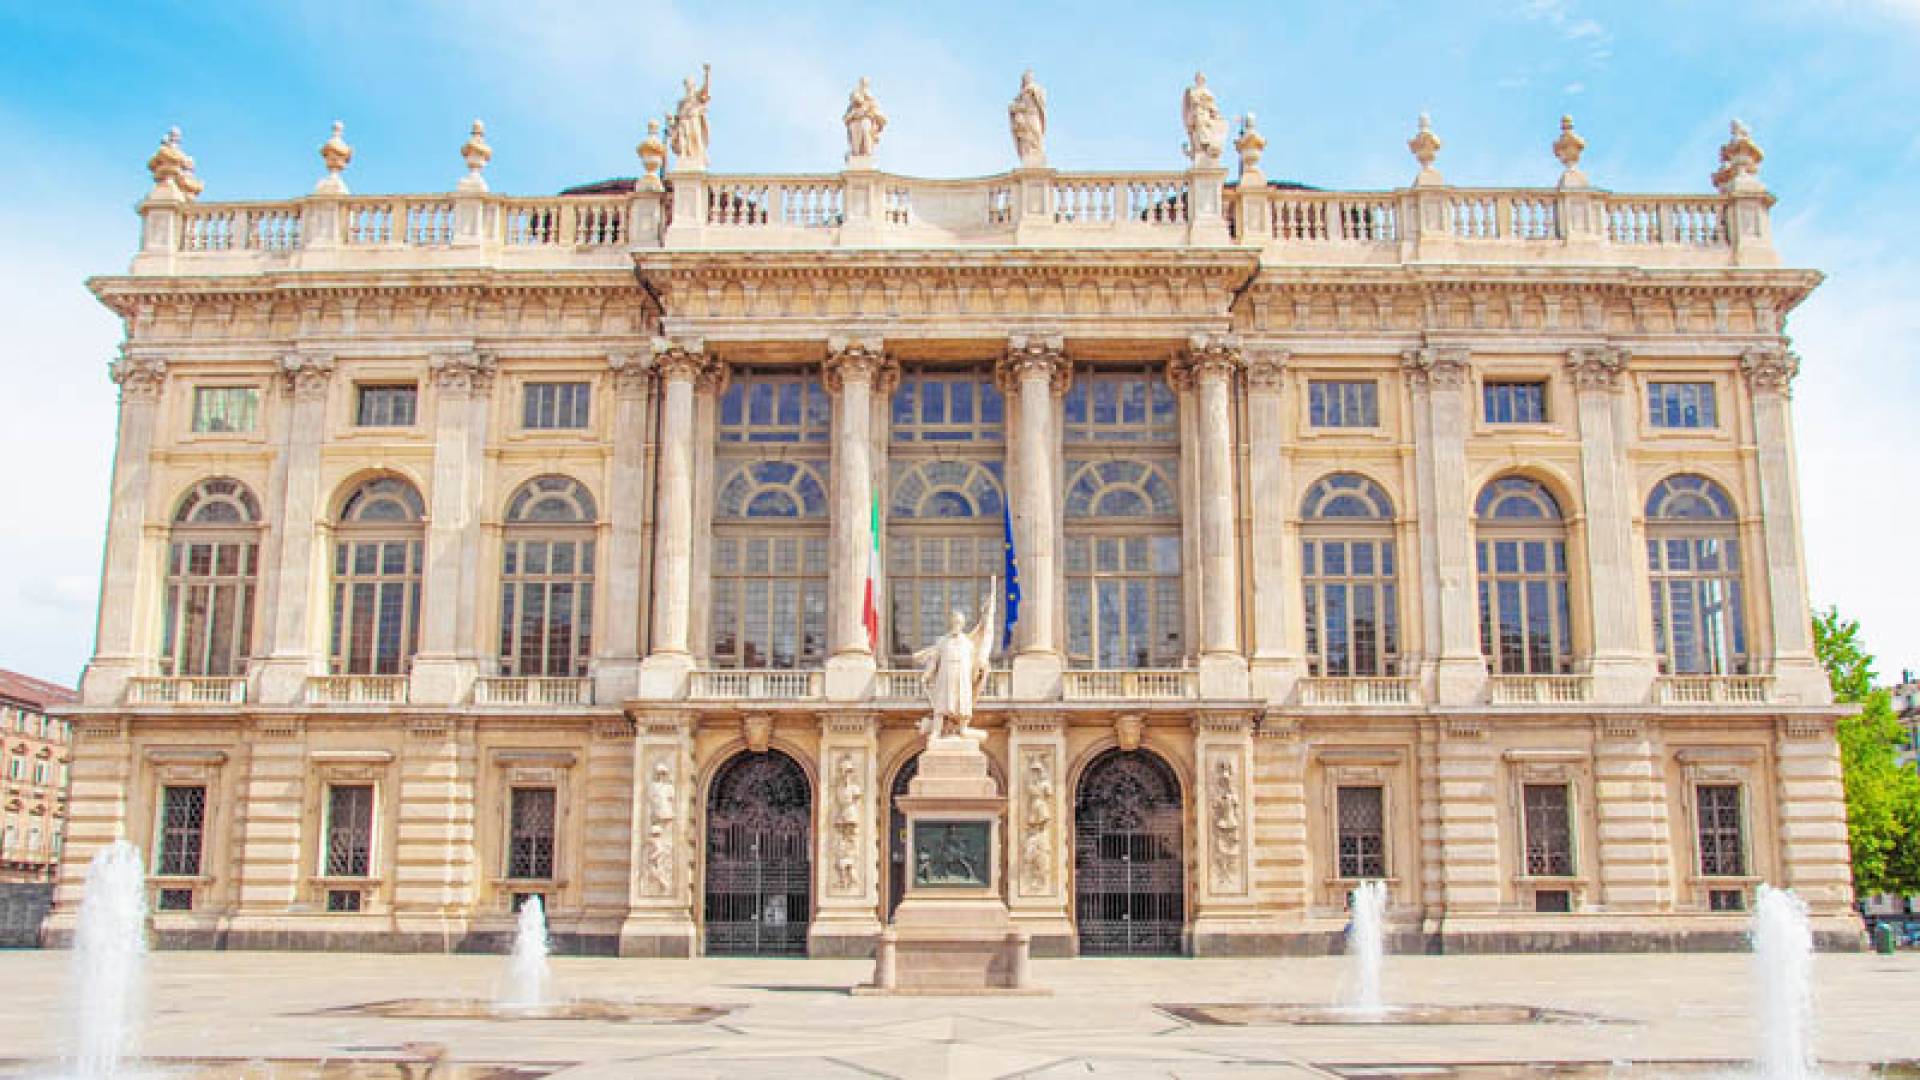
(853, 358)
(1770, 370)
(1598, 367)
(463, 371)
(1030, 354)
(1205, 357)
(1266, 366)
(1436, 366)
(139, 377)
(631, 372)
(680, 359)
(305, 375)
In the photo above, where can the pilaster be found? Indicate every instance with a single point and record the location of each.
(1209, 366)
(1815, 859)
(848, 834)
(1225, 906)
(663, 674)
(1282, 868)
(1630, 801)
(433, 868)
(1441, 421)
(100, 782)
(1275, 664)
(1038, 830)
(851, 369)
(292, 621)
(273, 790)
(1622, 668)
(660, 894)
(1467, 774)
(606, 858)
(448, 662)
(117, 654)
(1035, 372)
(616, 670)
(1798, 678)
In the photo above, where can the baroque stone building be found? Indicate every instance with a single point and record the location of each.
(33, 748)
(466, 547)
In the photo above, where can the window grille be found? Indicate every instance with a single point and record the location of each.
(1722, 848)
(530, 839)
(1549, 831)
(1362, 837)
(183, 821)
(350, 830)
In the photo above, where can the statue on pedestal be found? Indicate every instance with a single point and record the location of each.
(687, 132)
(865, 122)
(1027, 116)
(953, 670)
(1206, 128)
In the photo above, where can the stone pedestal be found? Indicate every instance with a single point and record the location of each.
(952, 934)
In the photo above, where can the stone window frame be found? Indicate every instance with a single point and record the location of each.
(1726, 404)
(327, 769)
(508, 768)
(564, 384)
(1556, 402)
(1571, 769)
(1319, 529)
(1564, 623)
(187, 766)
(190, 431)
(1726, 527)
(582, 530)
(249, 532)
(804, 529)
(1303, 372)
(1383, 767)
(1720, 766)
(1328, 380)
(345, 530)
(1154, 527)
(902, 535)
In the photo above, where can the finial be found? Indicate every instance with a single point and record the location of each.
(1568, 148)
(1251, 144)
(172, 170)
(653, 158)
(1740, 157)
(1425, 146)
(476, 153)
(337, 154)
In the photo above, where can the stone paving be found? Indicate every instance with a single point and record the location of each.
(793, 1018)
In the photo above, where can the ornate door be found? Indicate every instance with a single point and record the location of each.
(759, 885)
(1129, 888)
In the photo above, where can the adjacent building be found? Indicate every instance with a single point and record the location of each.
(1906, 706)
(34, 754)
(467, 547)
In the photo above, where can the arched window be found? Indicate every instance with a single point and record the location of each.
(1693, 556)
(213, 560)
(946, 522)
(377, 555)
(769, 596)
(1123, 564)
(1521, 543)
(546, 580)
(1351, 576)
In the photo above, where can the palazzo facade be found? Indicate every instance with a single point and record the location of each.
(467, 547)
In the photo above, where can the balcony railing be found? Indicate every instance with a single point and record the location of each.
(1713, 689)
(730, 684)
(1172, 684)
(1539, 689)
(357, 690)
(186, 690)
(903, 684)
(532, 692)
(1388, 690)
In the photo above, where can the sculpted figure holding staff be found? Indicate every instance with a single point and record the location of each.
(954, 669)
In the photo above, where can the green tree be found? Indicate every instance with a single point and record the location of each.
(1883, 799)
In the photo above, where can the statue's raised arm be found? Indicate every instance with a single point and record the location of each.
(983, 635)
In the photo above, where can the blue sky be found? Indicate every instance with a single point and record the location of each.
(1831, 89)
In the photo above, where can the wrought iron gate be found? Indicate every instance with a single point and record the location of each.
(759, 881)
(897, 835)
(1129, 886)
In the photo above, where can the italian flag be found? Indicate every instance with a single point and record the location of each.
(870, 606)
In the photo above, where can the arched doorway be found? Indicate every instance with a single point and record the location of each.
(759, 883)
(1129, 888)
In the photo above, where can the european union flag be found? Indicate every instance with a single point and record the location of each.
(1012, 578)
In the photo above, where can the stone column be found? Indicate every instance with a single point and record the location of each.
(1798, 677)
(444, 671)
(1275, 657)
(665, 817)
(1035, 372)
(1225, 907)
(1210, 364)
(1038, 831)
(117, 653)
(1439, 377)
(295, 624)
(664, 671)
(1630, 801)
(1622, 667)
(616, 670)
(848, 832)
(851, 368)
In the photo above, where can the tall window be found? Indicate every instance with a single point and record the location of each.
(1549, 830)
(1123, 564)
(377, 552)
(770, 566)
(530, 831)
(1723, 851)
(213, 557)
(546, 580)
(1120, 404)
(946, 525)
(1525, 626)
(775, 406)
(948, 406)
(183, 823)
(556, 405)
(225, 409)
(1361, 827)
(387, 406)
(1682, 405)
(1343, 403)
(1515, 402)
(350, 830)
(1351, 579)
(1693, 555)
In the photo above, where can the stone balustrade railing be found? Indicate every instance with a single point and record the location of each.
(1173, 684)
(1713, 689)
(1386, 690)
(357, 690)
(186, 690)
(1033, 208)
(1539, 689)
(531, 692)
(905, 685)
(735, 684)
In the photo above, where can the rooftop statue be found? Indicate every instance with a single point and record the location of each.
(1206, 128)
(1027, 116)
(953, 670)
(688, 131)
(865, 122)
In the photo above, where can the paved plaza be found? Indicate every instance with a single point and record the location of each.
(1104, 1018)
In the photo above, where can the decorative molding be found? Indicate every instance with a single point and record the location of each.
(306, 375)
(632, 372)
(1463, 728)
(1036, 820)
(1598, 367)
(682, 359)
(1624, 728)
(140, 378)
(1266, 367)
(1208, 356)
(463, 371)
(1770, 370)
(859, 359)
(1438, 367)
(757, 731)
(662, 815)
(849, 809)
(1042, 354)
(1225, 821)
(1128, 729)
(1804, 728)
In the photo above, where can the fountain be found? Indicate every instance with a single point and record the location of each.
(1366, 943)
(109, 953)
(1783, 985)
(528, 975)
